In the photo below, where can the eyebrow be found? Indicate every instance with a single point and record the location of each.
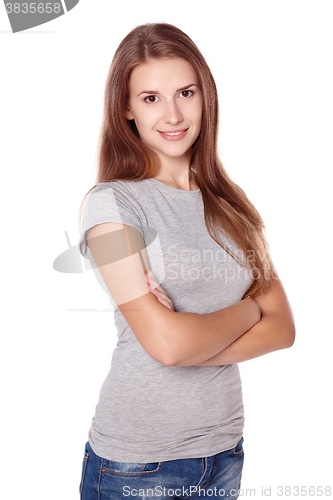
(178, 90)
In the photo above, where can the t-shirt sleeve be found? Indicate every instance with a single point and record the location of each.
(107, 203)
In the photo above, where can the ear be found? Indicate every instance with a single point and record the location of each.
(128, 115)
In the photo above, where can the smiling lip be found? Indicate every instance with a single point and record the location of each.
(174, 135)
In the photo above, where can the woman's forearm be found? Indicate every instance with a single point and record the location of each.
(276, 330)
(167, 336)
(265, 337)
(202, 336)
(226, 336)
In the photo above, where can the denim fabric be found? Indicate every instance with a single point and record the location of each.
(217, 476)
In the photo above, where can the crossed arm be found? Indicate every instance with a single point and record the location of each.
(231, 335)
(275, 330)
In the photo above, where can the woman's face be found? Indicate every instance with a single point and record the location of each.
(165, 102)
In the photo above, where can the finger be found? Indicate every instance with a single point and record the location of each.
(152, 277)
(161, 296)
(164, 302)
(153, 282)
(157, 292)
(167, 302)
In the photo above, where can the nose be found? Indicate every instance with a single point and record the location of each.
(172, 113)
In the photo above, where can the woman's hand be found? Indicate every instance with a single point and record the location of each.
(158, 291)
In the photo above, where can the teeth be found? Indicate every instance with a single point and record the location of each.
(173, 133)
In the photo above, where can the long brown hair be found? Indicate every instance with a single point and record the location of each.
(123, 156)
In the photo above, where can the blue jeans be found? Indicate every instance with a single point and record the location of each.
(217, 476)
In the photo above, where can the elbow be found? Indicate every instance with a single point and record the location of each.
(162, 356)
(163, 353)
(176, 360)
(169, 358)
(168, 362)
(167, 344)
(292, 337)
(289, 337)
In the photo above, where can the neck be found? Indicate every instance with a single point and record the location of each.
(176, 172)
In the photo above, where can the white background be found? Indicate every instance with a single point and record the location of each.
(272, 61)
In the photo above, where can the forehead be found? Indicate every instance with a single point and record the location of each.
(163, 73)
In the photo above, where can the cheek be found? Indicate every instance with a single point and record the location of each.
(198, 119)
(145, 118)
(197, 115)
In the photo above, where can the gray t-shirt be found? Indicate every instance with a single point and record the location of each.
(148, 412)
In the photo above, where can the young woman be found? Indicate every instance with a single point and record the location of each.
(169, 421)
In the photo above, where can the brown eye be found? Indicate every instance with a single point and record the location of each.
(187, 93)
(151, 98)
